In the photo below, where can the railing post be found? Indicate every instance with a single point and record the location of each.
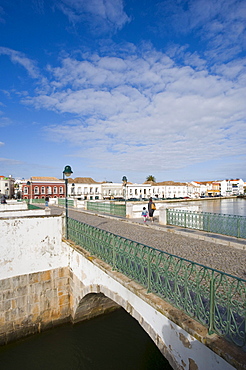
(114, 253)
(211, 305)
(238, 227)
(149, 274)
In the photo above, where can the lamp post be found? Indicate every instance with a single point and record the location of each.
(72, 190)
(124, 180)
(66, 173)
(29, 196)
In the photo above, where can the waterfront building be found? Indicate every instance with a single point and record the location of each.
(7, 186)
(41, 187)
(233, 187)
(170, 189)
(84, 188)
(140, 191)
(112, 190)
(200, 188)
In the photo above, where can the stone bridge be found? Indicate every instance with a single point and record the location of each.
(46, 281)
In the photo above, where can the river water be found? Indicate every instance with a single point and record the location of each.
(233, 206)
(109, 342)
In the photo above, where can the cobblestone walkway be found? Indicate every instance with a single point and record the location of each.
(215, 255)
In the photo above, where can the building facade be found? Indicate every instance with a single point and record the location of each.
(85, 188)
(42, 187)
(7, 186)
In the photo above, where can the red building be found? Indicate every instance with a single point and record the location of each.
(41, 187)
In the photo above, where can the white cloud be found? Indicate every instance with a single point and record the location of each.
(104, 15)
(6, 162)
(20, 58)
(143, 110)
(4, 121)
(218, 23)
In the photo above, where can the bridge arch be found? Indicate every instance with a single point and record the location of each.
(97, 299)
(90, 276)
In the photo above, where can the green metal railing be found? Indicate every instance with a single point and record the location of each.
(61, 202)
(110, 208)
(213, 298)
(38, 201)
(212, 222)
(32, 206)
(33, 200)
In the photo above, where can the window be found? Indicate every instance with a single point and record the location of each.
(25, 190)
(61, 189)
(55, 190)
(43, 190)
(36, 190)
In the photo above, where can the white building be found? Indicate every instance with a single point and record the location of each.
(84, 188)
(7, 186)
(170, 189)
(232, 187)
(139, 191)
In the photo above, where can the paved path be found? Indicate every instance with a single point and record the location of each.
(216, 251)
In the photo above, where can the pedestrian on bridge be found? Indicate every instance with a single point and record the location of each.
(145, 214)
(151, 209)
(3, 199)
(46, 201)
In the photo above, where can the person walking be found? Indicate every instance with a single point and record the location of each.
(3, 199)
(46, 201)
(144, 214)
(151, 209)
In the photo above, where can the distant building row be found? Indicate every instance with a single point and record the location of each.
(87, 188)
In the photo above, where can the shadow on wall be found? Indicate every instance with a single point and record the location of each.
(92, 305)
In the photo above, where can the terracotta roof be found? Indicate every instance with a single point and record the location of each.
(171, 183)
(82, 180)
(149, 182)
(39, 178)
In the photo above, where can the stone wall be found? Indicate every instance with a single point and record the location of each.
(38, 288)
(33, 302)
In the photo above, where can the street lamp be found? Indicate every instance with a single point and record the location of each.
(67, 172)
(72, 190)
(29, 196)
(124, 180)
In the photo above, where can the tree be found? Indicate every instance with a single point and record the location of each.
(150, 178)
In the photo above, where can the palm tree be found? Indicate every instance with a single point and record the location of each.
(150, 178)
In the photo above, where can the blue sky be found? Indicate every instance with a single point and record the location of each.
(117, 88)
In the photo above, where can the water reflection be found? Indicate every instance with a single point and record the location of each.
(235, 206)
(113, 341)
